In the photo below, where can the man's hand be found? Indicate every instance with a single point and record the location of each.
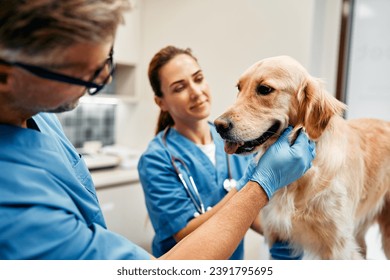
(283, 163)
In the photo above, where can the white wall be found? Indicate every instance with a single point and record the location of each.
(228, 36)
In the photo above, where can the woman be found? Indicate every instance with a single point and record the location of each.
(185, 140)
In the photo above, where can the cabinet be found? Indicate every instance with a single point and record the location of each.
(126, 47)
(126, 53)
(125, 213)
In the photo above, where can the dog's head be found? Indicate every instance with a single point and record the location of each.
(274, 93)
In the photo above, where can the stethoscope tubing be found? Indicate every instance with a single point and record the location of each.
(198, 202)
(199, 207)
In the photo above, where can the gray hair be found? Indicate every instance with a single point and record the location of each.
(30, 28)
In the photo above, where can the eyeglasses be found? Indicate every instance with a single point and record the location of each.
(93, 87)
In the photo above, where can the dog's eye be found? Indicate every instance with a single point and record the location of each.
(263, 89)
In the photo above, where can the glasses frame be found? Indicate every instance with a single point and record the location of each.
(92, 87)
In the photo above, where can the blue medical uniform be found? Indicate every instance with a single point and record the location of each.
(169, 206)
(48, 203)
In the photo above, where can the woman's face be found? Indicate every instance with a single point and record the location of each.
(186, 94)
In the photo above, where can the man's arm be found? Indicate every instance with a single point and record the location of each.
(218, 237)
(223, 231)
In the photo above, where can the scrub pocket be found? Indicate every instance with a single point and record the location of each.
(84, 176)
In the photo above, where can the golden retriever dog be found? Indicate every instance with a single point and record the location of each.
(327, 212)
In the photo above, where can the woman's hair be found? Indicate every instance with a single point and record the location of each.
(31, 28)
(161, 58)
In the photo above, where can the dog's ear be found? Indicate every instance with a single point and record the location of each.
(316, 107)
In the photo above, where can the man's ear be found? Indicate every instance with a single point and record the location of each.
(5, 74)
(3, 78)
(160, 103)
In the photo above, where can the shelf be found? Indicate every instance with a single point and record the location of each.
(109, 99)
(122, 88)
(123, 83)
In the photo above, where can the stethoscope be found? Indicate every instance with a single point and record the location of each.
(194, 195)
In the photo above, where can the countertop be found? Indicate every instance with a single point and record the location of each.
(111, 165)
(109, 177)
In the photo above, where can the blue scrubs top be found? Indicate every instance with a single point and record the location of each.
(169, 206)
(48, 203)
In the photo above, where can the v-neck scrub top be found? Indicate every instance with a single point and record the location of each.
(48, 203)
(169, 206)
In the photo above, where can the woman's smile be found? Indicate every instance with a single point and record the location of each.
(199, 105)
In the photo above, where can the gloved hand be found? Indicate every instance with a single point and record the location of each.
(248, 173)
(283, 163)
(281, 250)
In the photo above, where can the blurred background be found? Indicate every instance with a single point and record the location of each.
(344, 42)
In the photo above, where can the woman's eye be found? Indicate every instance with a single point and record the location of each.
(238, 88)
(264, 90)
(178, 89)
(199, 79)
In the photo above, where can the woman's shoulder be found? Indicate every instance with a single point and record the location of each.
(155, 147)
(157, 158)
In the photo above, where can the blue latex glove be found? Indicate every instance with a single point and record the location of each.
(283, 163)
(281, 250)
(248, 173)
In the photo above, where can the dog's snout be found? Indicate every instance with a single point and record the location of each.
(223, 126)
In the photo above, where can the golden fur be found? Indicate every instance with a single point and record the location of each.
(328, 211)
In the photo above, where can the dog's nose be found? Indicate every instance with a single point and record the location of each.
(223, 126)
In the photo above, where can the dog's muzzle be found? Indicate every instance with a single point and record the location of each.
(232, 146)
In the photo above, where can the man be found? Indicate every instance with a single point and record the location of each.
(51, 52)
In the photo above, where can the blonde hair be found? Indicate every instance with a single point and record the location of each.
(42, 27)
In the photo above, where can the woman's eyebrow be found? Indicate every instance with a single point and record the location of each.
(176, 82)
(182, 80)
(197, 72)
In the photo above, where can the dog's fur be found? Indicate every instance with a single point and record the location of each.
(328, 211)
